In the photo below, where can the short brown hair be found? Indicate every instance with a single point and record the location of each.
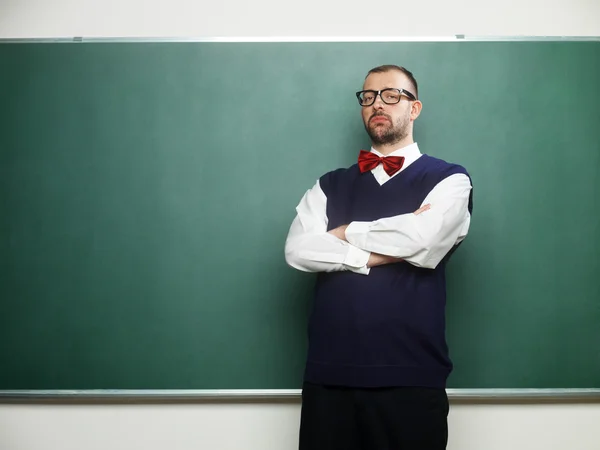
(404, 70)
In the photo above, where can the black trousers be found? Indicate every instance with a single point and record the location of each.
(338, 418)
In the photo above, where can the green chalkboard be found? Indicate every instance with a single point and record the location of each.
(146, 190)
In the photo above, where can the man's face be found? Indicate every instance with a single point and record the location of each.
(387, 124)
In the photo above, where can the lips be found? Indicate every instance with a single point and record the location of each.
(378, 119)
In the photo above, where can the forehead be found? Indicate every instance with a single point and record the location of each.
(390, 79)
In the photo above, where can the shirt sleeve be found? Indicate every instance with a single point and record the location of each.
(310, 248)
(420, 239)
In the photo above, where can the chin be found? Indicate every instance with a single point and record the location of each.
(379, 135)
(381, 129)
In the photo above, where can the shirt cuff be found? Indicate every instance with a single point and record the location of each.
(356, 233)
(357, 259)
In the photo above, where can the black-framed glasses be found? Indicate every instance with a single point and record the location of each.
(389, 96)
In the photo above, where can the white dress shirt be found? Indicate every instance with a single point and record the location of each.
(422, 240)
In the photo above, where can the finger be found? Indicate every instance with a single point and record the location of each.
(422, 209)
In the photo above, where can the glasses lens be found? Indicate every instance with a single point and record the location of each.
(366, 98)
(391, 96)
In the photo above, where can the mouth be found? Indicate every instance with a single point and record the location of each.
(378, 119)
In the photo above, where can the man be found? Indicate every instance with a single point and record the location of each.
(380, 234)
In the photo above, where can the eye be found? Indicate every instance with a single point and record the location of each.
(367, 97)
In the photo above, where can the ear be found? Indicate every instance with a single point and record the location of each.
(415, 109)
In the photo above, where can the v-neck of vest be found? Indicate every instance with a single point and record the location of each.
(401, 174)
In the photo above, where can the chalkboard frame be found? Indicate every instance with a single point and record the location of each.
(152, 395)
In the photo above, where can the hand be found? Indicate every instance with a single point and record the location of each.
(340, 232)
(375, 259)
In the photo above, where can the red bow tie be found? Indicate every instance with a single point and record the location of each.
(369, 160)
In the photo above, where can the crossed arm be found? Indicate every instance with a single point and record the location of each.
(421, 238)
(375, 259)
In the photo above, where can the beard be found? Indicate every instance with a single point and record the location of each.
(385, 133)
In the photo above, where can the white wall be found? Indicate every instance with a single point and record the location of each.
(264, 426)
(273, 426)
(67, 18)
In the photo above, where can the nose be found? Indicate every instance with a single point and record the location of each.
(378, 103)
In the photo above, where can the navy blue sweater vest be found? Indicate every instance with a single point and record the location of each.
(386, 328)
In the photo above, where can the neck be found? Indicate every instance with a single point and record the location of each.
(386, 149)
